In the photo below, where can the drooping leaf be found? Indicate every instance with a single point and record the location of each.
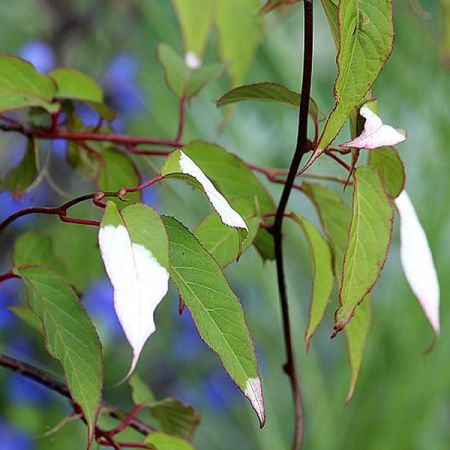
(179, 164)
(417, 260)
(223, 242)
(387, 164)
(366, 36)
(76, 85)
(134, 247)
(195, 26)
(22, 86)
(367, 245)
(162, 441)
(21, 177)
(29, 317)
(375, 134)
(271, 5)
(118, 171)
(182, 80)
(331, 11)
(322, 275)
(266, 92)
(215, 309)
(70, 337)
(140, 392)
(356, 333)
(240, 32)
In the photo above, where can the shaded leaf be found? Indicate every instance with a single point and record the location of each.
(29, 317)
(140, 392)
(162, 441)
(270, 5)
(215, 309)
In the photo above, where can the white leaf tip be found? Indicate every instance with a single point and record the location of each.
(253, 391)
(192, 60)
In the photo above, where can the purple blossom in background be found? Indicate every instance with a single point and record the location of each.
(20, 390)
(9, 292)
(186, 345)
(150, 197)
(13, 439)
(219, 392)
(40, 54)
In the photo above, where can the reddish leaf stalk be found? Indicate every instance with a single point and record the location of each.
(8, 276)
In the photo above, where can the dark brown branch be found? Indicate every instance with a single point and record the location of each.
(300, 149)
(49, 381)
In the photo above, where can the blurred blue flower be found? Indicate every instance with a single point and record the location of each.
(219, 392)
(12, 438)
(87, 115)
(150, 197)
(186, 344)
(20, 390)
(21, 347)
(59, 148)
(40, 54)
(9, 292)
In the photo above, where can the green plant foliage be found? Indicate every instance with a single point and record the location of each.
(216, 311)
(271, 5)
(331, 11)
(70, 337)
(26, 315)
(140, 391)
(162, 441)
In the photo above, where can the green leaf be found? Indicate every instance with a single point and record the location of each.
(266, 92)
(195, 26)
(85, 162)
(182, 80)
(215, 309)
(161, 441)
(368, 243)
(386, 163)
(25, 314)
(331, 11)
(270, 5)
(322, 275)
(118, 171)
(366, 36)
(240, 32)
(175, 418)
(76, 85)
(223, 242)
(22, 86)
(356, 333)
(140, 392)
(70, 337)
(21, 177)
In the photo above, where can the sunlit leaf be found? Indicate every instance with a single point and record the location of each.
(417, 260)
(134, 248)
(215, 309)
(162, 441)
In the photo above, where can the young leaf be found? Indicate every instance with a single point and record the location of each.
(134, 248)
(178, 163)
(70, 337)
(21, 86)
(76, 85)
(322, 275)
(140, 392)
(215, 309)
(368, 243)
(266, 92)
(240, 32)
(195, 27)
(417, 260)
(366, 36)
(387, 164)
(182, 80)
(162, 441)
(376, 134)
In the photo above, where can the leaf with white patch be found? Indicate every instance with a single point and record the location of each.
(215, 309)
(376, 134)
(417, 260)
(134, 247)
(178, 163)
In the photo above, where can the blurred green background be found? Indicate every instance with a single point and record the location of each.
(403, 397)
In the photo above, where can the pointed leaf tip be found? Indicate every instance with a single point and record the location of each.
(376, 134)
(253, 391)
(417, 260)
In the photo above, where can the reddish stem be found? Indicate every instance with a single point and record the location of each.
(337, 159)
(181, 119)
(122, 426)
(8, 276)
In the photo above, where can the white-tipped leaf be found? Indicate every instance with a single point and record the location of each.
(376, 134)
(417, 260)
(180, 163)
(192, 60)
(134, 247)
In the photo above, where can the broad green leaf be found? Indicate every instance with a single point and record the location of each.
(266, 92)
(270, 5)
(223, 242)
(387, 164)
(356, 333)
(29, 317)
(178, 164)
(22, 86)
(368, 243)
(264, 244)
(70, 337)
(445, 35)
(195, 25)
(140, 392)
(322, 275)
(215, 309)
(76, 85)
(162, 441)
(175, 418)
(134, 247)
(366, 35)
(240, 32)
(35, 249)
(182, 80)
(331, 11)
(118, 171)
(21, 177)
